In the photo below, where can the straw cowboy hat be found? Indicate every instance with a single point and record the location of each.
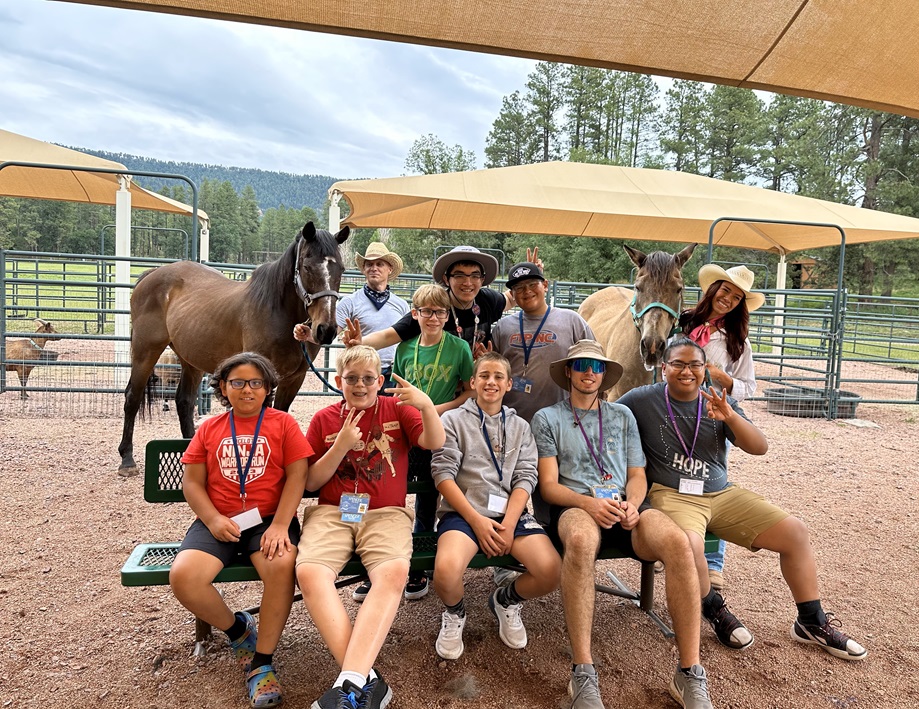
(488, 263)
(377, 251)
(740, 276)
(591, 350)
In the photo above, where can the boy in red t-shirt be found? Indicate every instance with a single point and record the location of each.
(245, 472)
(360, 467)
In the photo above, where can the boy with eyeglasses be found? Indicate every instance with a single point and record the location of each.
(360, 467)
(592, 473)
(684, 430)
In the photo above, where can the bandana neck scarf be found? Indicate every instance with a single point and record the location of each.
(376, 297)
(701, 335)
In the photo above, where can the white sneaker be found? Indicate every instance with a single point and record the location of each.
(449, 643)
(510, 624)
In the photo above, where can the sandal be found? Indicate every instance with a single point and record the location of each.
(244, 647)
(264, 688)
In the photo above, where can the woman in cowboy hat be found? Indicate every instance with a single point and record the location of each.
(720, 324)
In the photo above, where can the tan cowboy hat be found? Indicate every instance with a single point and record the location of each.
(377, 251)
(488, 263)
(740, 276)
(590, 349)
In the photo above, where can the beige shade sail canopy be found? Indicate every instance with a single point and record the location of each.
(577, 199)
(860, 52)
(70, 185)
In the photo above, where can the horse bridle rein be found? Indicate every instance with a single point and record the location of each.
(304, 294)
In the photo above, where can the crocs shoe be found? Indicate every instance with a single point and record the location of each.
(244, 647)
(264, 688)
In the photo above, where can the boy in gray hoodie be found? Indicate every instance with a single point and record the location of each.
(486, 472)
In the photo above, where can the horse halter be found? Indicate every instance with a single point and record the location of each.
(305, 295)
(636, 317)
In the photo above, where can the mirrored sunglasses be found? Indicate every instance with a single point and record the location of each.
(583, 364)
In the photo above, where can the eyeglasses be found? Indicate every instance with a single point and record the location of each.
(241, 383)
(468, 276)
(440, 313)
(694, 367)
(532, 285)
(583, 364)
(353, 379)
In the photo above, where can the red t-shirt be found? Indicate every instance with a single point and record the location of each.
(379, 462)
(280, 443)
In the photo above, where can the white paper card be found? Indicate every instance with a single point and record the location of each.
(691, 486)
(497, 503)
(248, 519)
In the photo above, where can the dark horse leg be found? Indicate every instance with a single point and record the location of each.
(289, 386)
(135, 396)
(186, 394)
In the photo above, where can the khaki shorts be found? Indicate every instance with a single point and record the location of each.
(385, 534)
(735, 514)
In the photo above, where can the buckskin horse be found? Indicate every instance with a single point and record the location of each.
(205, 317)
(633, 326)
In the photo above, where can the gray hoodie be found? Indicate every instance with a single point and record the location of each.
(465, 459)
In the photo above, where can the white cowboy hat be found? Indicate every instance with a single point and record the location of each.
(488, 263)
(589, 349)
(377, 251)
(740, 276)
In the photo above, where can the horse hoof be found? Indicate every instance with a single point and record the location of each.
(128, 472)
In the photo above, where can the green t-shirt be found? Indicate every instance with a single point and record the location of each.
(440, 383)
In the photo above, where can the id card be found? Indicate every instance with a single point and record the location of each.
(353, 506)
(497, 503)
(691, 486)
(247, 519)
(606, 492)
(522, 384)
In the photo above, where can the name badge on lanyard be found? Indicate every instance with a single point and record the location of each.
(688, 485)
(246, 518)
(522, 384)
(353, 506)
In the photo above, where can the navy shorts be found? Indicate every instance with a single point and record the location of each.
(526, 526)
(615, 537)
(199, 537)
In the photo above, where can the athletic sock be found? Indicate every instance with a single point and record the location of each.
(260, 659)
(712, 602)
(459, 609)
(356, 678)
(238, 629)
(508, 596)
(811, 613)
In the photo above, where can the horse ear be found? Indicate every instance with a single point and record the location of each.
(638, 257)
(309, 231)
(342, 236)
(682, 257)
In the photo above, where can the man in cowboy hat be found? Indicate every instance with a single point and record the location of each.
(591, 472)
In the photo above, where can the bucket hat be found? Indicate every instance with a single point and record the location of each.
(377, 251)
(589, 349)
(740, 276)
(445, 262)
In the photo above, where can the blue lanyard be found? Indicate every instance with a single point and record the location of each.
(503, 440)
(243, 474)
(687, 451)
(523, 339)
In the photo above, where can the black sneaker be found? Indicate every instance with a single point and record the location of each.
(379, 694)
(360, 593)
(827, 636)
(729, 631)
(417, 586)
(348, 696)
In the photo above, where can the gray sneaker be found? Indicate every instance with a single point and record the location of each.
(584, 689)
(691, 690)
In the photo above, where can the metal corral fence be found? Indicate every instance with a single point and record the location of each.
(808, 357)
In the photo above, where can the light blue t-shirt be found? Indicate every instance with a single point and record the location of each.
(558, 435)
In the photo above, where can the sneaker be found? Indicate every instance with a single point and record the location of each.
(360, 593)
(691, 690)
(510, 625)
(264, 688)
(827, 636)
(716, 579)
(504, 576)
(729, 631)
(378, 693)
(244, 647)
(348, 696)
(584, 689)
(449, 644)
(417, 586)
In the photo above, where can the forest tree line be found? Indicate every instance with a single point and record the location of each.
(801, 146)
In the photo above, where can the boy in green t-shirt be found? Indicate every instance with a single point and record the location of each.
(440, 364)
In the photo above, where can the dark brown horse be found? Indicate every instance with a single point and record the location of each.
(205, 317)
(633, 326)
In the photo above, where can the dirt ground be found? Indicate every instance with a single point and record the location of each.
(76, 637)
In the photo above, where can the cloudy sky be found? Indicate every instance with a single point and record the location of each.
(188, 89)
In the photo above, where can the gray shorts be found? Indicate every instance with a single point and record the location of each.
(199, 537)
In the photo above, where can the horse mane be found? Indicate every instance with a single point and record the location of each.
(658, 266)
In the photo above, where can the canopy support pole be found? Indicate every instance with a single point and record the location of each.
(122, 276)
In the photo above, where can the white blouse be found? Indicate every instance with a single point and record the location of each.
(741, 371)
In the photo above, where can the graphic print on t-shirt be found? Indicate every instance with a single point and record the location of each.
(544, 339)
(369, 461)
(226, 457)
(675, 456)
